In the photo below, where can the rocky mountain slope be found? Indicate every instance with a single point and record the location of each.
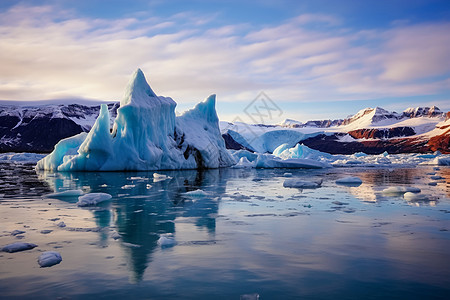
(39, 128)
(371, 130)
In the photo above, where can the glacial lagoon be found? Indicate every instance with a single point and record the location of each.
(242, 235)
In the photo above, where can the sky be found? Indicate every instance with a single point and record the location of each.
(266, 60)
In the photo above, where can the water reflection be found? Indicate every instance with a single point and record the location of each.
(142, 208)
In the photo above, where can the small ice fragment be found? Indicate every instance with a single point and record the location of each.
(115, 235)
(415, 197)
(104, 185)
(92, 199)
(436, 177)
(339, 203)
(128, 186)
(68, 193)
(349, 181)
(166, 242)
(17, 232)
(399, 190)
(16, 247)
(301, 184)
(131, 245)
(249, 297)
(61, 224)
(49, 258)
(197, 193)
(160, 177)
(149, 186)
(287, 174)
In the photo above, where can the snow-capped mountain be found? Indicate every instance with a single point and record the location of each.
(39, 128)
(371, 130)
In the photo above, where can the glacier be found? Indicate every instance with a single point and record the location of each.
(146, 135)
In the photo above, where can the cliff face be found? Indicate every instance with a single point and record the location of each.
(384, 133)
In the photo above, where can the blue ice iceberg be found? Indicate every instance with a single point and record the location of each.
(146, 135)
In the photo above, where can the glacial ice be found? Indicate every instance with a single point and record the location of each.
(18, 246)
(146, 135)
(49, 258)
(92, 199)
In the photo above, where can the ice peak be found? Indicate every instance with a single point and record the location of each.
(137, 89)
(205, 109)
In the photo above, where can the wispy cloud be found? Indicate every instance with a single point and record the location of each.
(49, 53)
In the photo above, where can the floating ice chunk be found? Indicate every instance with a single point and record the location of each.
(17, 232)
(115, 235)
(61, 224)
(93, 199)
(249, 297)
(196, 194)
(49, 258)
(408, 196)
(301, 184)
(399, 190)
(128, 186)
(16, 247)
(166, 241)
(355, 181)
(287, 175)
(437, 177)
(68, 193)
(160, 177)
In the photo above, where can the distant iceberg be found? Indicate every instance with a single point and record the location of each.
(146, 135)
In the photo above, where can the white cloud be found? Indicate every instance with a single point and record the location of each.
(49, 53)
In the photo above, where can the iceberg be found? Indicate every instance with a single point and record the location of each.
(146, 135)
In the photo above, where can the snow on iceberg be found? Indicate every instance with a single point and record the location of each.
(146, 135)
(92, 199)
(49, 258)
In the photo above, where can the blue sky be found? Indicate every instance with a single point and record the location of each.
(314, 59)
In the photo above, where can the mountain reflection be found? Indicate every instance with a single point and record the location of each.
(143, 208)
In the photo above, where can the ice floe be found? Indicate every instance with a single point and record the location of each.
(19, 246)
(49, 258)
(301, 184)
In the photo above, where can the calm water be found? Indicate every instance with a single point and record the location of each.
(248, 235)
